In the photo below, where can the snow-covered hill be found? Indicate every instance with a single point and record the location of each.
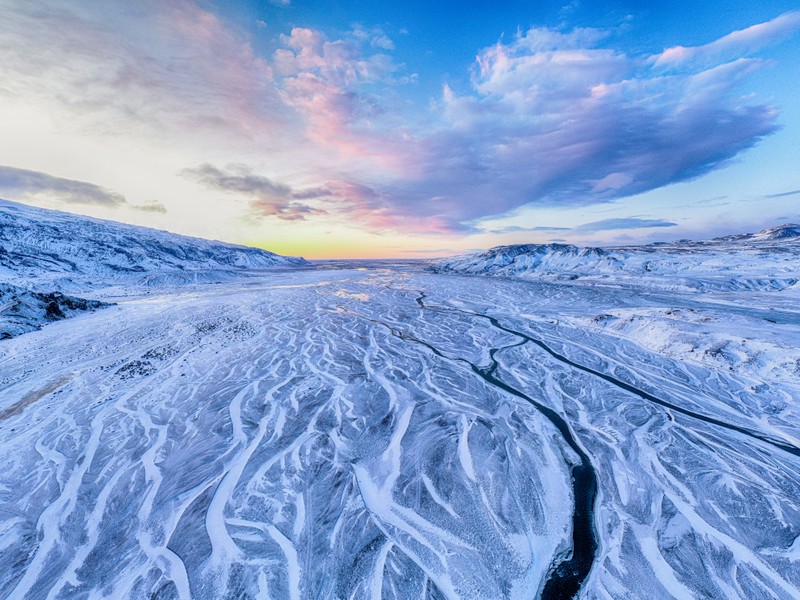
(51, 261)
(51, 249)
(768, 260)
(22, 310)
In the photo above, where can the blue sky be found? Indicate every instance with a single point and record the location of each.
(394, 129)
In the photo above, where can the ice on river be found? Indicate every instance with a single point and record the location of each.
(342, 434)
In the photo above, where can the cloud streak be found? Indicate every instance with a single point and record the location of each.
(267, 198)
(601, 225)
(151, 207)
(784, 194)
(624, 223)
(22, 184)
(732, 45)
(520, 229)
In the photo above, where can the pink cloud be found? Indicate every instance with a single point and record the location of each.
(340, 62)
(168, 67)
(325, 80)
(355, 201)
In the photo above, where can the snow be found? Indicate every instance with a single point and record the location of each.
(51, 250)
(22, 310)
(340, 432)
(765, 261)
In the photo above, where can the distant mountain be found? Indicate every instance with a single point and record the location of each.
(530, 257)
(767, 260)
(45, 245)
(790, 230)
(782, 232)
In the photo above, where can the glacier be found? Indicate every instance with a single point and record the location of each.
(238, 428)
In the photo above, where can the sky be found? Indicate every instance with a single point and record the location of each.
(351, 129)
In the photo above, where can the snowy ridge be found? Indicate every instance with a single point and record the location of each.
(782, 232)
(39, 245)
(45, 254)
(768, 260)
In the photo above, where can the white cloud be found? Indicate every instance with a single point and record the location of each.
(173, 68)
(732, 45)
(613, 182)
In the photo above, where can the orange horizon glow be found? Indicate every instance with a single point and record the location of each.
(337, 249)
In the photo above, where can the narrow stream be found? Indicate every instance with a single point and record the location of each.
(567, 576)
(779, 444)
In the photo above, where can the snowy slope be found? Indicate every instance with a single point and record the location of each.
(51, 261)
(22, 310)
(752, 345)
(38, 245)
(768, 260)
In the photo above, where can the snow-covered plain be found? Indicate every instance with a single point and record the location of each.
(381, 431)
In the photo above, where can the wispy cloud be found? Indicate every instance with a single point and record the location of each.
(731, 46)
(520, 229)
(22, 184)
(624, 223)
(151, 207)
(374, 36)
(783, 194)
(267, 198)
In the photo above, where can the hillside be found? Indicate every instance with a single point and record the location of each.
(50, 261)
(766, 261)
(38, 245)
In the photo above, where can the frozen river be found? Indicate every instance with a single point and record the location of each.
(383, 432)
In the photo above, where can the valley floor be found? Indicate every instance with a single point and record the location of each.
(388, 433)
